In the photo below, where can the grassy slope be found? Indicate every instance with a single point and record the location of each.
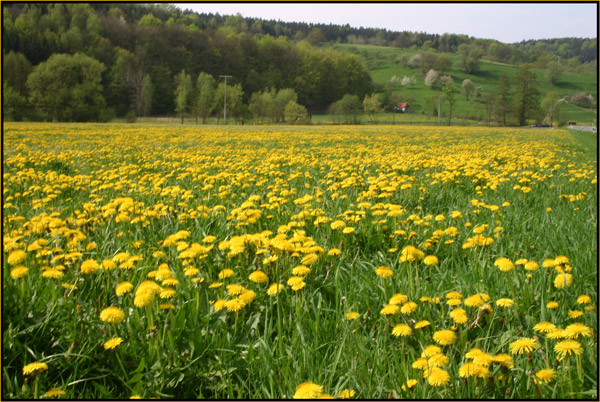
(486, 78)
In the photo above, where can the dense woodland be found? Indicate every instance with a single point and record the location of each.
(124, 59)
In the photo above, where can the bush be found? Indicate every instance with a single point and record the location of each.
(582, 99)
(130, 117)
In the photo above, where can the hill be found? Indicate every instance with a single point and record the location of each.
(387, 65)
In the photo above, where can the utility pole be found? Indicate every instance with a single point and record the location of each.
(225, 100)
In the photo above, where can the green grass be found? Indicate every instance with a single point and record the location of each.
(173, 173)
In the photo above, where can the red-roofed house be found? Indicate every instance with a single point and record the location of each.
(403, 107)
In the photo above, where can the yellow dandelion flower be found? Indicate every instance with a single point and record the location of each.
(270, 259)
(438, 377)
(504, 359)
(346, 394)
(453, 295)
(408, 308)
(335, 225)
(561, 260)
(191, 271)
(170, 282)
(235, 305)
(89, 266)
(473, 352)
(123, 288)
(546, 375)
(209, 239)
(552, 305)
(389, 309)
(573, 314)
(584, 299)
(411, 254)
(504, 264)
(301, 270)
(167, 293)
(34, 368)
(235, 289)
(473, 370)
(226, 273)
(544, 327)
(453, 302)
(557, 333)
(52, 274)
(54, 393)
(531, 266)
(567, 348)
(444, 337)
(398, 299)
(215, 285)
(142, 299)
(401, 330)
(482, 359)
(334, 252)
(505, 302)
(431, 350)
(422, 324)
(274, 288)
(523, 345)
(431, 260)
(19, 272)
(309, 259)
(438, 360)
(410, 383)
(420, 364)
(112, 343)
(384, 272)
(16, 257)
(477, 300)
(166, 306)
(577, 329)
(563, 280)
(352, 315)
(258, 277)
(219, 304)
(308, 390)
(112, 314)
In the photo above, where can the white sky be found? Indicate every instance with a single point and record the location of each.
(506, 22)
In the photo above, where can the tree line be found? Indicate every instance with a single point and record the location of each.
(133, 64)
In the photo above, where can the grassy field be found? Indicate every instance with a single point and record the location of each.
(379, 59)
(177, 261)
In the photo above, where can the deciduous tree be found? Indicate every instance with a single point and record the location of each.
(183, 93)
(68, 87)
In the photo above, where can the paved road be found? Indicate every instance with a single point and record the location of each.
(591, 129)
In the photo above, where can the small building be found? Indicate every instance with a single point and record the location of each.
(403, 107)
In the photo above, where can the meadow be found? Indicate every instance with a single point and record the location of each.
(177, 261)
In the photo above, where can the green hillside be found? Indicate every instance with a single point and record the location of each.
(383, 63)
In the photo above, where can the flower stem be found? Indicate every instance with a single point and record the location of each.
(35, 387)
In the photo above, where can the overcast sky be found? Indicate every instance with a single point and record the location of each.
(505, 22)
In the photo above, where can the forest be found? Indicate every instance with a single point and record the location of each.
(98, 61)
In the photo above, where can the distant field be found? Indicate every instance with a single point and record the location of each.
(487, 78)
(203, 262)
